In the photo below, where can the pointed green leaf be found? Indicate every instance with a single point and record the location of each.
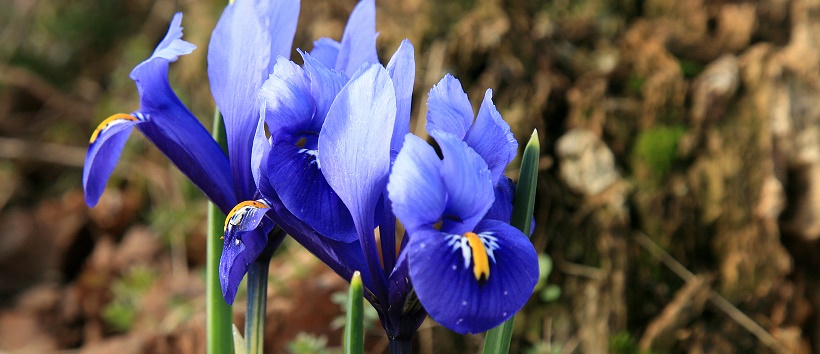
(497, 340)
(238, 341)
(354, 326)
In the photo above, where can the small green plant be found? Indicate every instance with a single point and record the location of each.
(122, 311)
(655, 151)
(306, 343)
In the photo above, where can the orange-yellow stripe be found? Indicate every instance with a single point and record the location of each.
(238, 207)
(481, 263)
(108, 121)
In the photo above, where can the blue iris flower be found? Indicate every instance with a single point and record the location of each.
(242, 51)
(338, 125)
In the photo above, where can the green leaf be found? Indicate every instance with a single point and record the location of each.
(497, 340)
(354, 328)
(219, 321)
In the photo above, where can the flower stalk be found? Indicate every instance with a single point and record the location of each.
(218, 311)
(257, 305)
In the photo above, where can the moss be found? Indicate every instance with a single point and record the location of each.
(655, 152)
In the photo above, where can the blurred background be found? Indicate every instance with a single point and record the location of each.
(678, 204)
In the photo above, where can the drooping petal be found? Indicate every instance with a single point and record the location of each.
(402, 70)
(443, 272)
(490, 137)
(343, 257)
(358, 46)
(448, 108)
(173, 129)
(104, 150)
(247, 38)
(354, 152)
(287, 104)
(416, 189)
(325, 84)
(467, 182)
(325, 50)
(296, 176)
(246, 236)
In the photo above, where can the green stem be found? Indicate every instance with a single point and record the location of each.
(219, 321)
(257, 303)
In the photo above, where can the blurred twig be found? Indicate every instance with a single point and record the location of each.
(43, 90)
(716, 299)
(18, 149)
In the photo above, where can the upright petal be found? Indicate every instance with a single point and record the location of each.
(502, 206)
(247, 38)
(490, 137)
(355, 139)
(416, 188)
(448, 108)
(354, 150)
(325, 84)
(261, 149)
(402, 70)
(443, 269)
(468, 184)
(173, 129)
(104, 150)
(286, 101)
(358, 45)
(326, 50)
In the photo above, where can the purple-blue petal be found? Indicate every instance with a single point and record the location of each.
(248, 37)
(354, 144)
(286, 100)
(416, 189)
(446, 285)
(467, 182)
(103, 154)
(354, 152)
(402, 70)
(325, 84)
(490, 137)
(358, 46)
(295, 174)
(448, 108)
(326, 50)
(241, 247)
(172, 127)
(261, 149)
(502, 206)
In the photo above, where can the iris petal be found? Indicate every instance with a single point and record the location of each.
(173, 129)
(402, 70)
(325, 84)
(103, 152)
(326, 50)
(261, 149)
(299, 183)
(446, 284)
(358, 46)
(354, 150)
(502, 206)
(448, 108)
(468, 184)
(240, 249)
(247, 38)
(286, 100)
(355, 139)
(490, 137)
(416, 188)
